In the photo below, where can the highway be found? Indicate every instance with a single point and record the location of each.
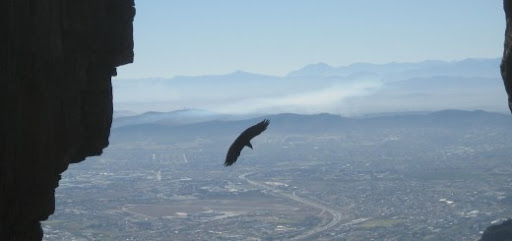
(336, 215)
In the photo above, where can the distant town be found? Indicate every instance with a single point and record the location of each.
(431, 176)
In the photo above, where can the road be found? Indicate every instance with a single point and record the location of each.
(336, 215)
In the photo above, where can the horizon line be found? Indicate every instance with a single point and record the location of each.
(304, 66)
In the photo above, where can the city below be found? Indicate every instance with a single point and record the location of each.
(431, 176)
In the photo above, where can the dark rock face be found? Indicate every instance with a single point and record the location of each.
(498, 232)
(506, 62)
(57, 59)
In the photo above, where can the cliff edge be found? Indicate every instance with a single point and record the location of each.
(57, 59)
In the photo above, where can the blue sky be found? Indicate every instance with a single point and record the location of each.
(200, 37)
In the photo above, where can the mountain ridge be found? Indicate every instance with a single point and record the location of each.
(442, 126)
(423, 86)
(442, 115)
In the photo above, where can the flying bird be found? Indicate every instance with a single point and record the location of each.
(243, 140)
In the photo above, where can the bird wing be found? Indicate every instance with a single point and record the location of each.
(233, 153)
(254, 130)
(242, 139)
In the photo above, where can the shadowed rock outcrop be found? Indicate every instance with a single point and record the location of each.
(498, 232)
(506, 62)
(57, 59)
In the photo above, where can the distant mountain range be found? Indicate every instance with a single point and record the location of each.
(356, 89)
(177, 117)
(397, 71)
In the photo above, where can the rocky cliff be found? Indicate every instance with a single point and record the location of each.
(57, 59)
(498, 232)
(506, 62)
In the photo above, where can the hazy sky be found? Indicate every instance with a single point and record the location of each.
(274, 37)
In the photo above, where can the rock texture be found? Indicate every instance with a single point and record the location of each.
(57, 59)
(506, 62)
(498, 232)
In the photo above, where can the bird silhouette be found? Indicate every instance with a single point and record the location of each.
(243, 140)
